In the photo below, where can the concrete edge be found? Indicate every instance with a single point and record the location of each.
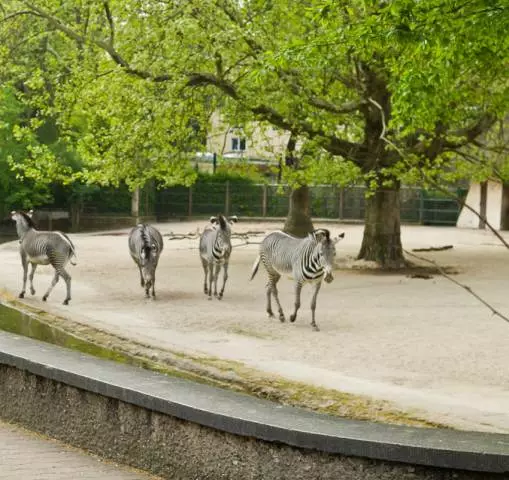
(251, 417)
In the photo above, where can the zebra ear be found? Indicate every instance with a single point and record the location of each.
(233, 219)
(213, 220)
(30, 213)
(339, 237)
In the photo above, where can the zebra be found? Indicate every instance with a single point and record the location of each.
(306, 260)
(145, 246)
(43, 248)
(215, 250)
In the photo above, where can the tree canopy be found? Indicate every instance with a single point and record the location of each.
(391, 88)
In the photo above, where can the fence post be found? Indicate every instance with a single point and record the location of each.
(190, 203)
(227, 199)
(264, 200)
(421, 207)
(341, 203)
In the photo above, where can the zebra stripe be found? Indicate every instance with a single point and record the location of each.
(145, 246)
(307, 260)
(215, 251)
(43, 248)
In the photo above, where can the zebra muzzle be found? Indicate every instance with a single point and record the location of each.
(329, 277)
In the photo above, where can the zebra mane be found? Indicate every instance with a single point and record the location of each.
(27, 219)
(145, 238)
(222, 222)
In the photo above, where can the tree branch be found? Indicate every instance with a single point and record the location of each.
(110, 22)
(17, 14)
(465, 287)
(115, 56)
(436, 185)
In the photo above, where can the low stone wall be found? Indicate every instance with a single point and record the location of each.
(178, 449)
(181, 429)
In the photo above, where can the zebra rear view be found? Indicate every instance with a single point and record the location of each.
(215, 250)
(145, 246)
(307, 260)
(43, 248)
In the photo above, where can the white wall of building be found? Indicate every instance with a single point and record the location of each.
(467, 219)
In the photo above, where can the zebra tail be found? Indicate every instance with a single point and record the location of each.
(73, 254)
(255, 267)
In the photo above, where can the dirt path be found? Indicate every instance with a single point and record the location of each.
(424, 345)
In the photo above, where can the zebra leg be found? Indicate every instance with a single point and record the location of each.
(210, 279)
(313, 306)
(53, 283)
(142, 280)
(31, 278)
(205, 271)
(273, 282)
(24, 263)
(217, 269)
(225, 277)
(67, 279)
(154, 285)
(298, 289)
(268, 288)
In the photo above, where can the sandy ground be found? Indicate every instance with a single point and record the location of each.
(425, 345)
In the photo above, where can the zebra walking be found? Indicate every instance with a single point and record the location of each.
(307, 260)
(43, 248)
(145, 246)
(215, 250)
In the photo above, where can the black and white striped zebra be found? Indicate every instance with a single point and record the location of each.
(145, 246)
(306, 260)
(43, 248)
(215, 250)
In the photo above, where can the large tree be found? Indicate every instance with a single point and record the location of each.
(394, 87)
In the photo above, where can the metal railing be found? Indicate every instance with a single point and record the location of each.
(327, 201)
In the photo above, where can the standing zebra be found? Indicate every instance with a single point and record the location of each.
(307, 259)
(43, 248)
(145, 247)
(215, 250)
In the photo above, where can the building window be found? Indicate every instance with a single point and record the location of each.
(238, 144)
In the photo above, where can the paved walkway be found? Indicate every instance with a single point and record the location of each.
(30, 456)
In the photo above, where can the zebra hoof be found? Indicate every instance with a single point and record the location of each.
(282, 318)
(220, 296)
(21, 295)
(270, 314)
(292, 318)
(66, 301)
(32, 291)
(46, 297)
(315, 328)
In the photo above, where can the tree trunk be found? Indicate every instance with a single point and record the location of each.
(135, 205)
(382, 234)
(298, 222)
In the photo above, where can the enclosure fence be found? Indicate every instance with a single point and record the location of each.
(330, 202)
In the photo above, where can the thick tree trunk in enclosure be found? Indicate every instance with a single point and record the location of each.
(382, 233)
(298, 222)
(135, 205)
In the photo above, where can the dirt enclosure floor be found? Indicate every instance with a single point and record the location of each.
(426, 346)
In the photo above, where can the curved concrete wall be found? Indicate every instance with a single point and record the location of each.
(180, 429)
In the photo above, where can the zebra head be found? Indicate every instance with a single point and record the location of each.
(23, 221)
(326, 251)
(223, 226)
(149, 257)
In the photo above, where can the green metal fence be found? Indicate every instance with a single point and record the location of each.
(417, 205)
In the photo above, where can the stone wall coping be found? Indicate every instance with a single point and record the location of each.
(245, 415)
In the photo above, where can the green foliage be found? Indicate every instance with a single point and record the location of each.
(121, 91)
